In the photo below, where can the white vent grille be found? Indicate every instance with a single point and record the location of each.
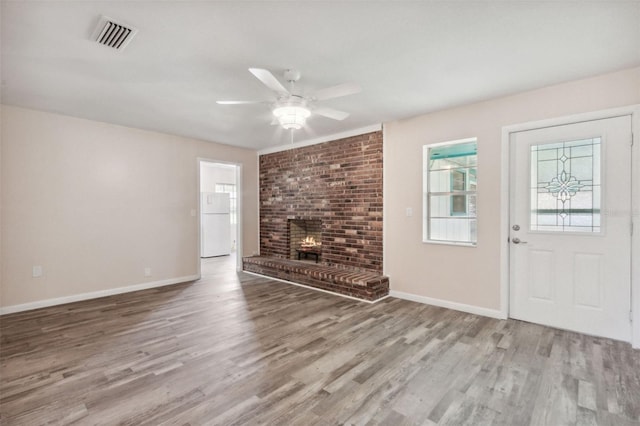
(112, 34)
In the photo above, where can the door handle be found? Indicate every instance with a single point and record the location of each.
(517, 240)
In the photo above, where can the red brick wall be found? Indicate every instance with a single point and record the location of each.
(339, 183)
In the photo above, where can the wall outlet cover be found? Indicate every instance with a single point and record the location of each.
(37, 271)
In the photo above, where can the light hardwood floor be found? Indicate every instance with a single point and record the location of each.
(235, 349)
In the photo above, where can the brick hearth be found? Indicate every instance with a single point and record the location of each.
(369, 286)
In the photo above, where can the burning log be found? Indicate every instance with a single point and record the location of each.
(309, 242)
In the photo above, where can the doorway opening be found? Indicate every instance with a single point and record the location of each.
(219, 210)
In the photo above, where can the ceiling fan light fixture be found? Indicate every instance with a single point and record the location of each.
(291, 116)
(291, 108)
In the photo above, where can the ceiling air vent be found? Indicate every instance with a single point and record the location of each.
(113, 34)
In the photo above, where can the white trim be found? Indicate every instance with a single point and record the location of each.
(504, 223)
(476, 310)
(635, 239)
(634, 111)
(385, 206)
(447, 243)
(94, 295)
(316, 288)
(239, 213)
(257, 229)
(199, 162)
(321, 139)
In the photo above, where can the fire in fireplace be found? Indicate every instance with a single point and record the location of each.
(305, 239)
(309, 242)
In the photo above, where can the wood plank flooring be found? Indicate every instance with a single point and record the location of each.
(235, 349)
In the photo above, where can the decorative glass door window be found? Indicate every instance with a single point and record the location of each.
(566, 186)
(449, 191)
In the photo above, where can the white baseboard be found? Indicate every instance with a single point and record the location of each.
(315, 288)
(93, 295)
(477, 310)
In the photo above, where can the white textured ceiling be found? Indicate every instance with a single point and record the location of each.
(409, 57)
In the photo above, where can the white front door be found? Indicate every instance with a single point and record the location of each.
(570, 219)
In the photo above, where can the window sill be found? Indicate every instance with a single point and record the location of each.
(450, 243)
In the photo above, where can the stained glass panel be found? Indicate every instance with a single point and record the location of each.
(565, 186)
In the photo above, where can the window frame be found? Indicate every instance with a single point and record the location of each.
(233, 199)
(427, 194)
(452, 206)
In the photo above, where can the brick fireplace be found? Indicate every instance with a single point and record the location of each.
(305, 234)
(338, 184)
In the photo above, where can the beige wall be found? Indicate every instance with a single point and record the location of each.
(465, 275)
(94, 204)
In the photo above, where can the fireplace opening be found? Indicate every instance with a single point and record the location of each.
(305, 239)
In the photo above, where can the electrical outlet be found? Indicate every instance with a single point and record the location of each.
(37, 271)
(147, 272)
(193, 212)
(409, 212)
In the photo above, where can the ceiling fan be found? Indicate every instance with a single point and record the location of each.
(290, 107)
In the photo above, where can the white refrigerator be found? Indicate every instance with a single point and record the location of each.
(215, 225)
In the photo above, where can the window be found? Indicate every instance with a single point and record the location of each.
(449, 191)
(233, 202)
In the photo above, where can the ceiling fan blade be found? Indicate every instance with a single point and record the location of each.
(268, 80)
(337, 91)
(331, 113)
(239, 102)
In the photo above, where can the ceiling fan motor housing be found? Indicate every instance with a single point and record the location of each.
(292, 75)
(291, 100)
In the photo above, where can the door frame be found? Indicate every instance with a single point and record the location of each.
(239, 210)
(505, 285)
